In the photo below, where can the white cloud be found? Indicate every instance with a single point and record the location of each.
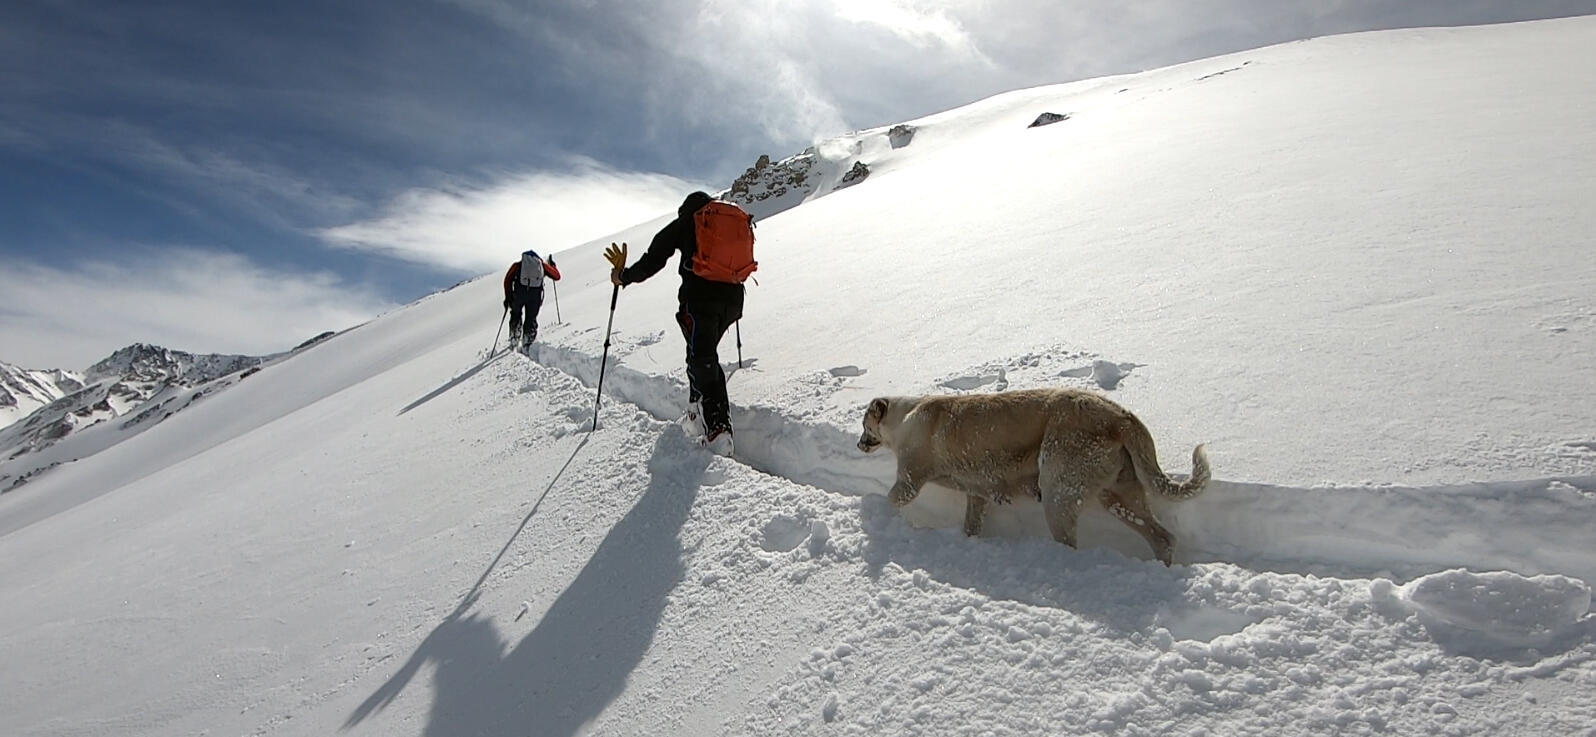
(765, 65)
(184, 299)
(471, 229)
(919, 26)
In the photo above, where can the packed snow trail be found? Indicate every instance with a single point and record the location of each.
(1344, 531)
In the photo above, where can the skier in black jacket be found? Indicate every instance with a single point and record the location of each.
(706, 309)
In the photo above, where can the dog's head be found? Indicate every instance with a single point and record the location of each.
(874, 436)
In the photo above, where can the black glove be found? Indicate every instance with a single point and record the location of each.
(507, 303)
(551, 261)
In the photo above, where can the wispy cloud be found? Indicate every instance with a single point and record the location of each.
(260, 186)
(14, 137)
(924, 27)
(470, 228)
(181, 298)
(245, 182)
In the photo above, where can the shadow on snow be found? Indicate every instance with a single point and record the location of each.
(452, 383)
(579, 656)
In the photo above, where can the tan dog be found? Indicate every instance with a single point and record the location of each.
(1061, 446)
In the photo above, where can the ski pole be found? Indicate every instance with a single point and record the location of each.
(614, 294)
(557, 317)
(739, 326)
(495, 348)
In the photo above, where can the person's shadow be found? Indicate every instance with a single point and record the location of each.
(579, 656)
(454, 382)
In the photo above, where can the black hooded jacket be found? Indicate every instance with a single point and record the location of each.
(679, 235)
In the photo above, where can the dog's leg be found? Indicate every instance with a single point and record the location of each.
(1062, 506)
(907, 487)
(1030, 486)
(1071, 463)
(974, 514)
(902, 493)
(1128, 504)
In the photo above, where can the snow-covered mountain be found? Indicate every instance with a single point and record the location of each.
(25, 390)
(1356, 267)
(120, 396)
(146, 363)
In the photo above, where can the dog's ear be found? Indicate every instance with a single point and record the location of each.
(878, 409)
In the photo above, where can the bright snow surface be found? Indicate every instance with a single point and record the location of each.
(1356, 267)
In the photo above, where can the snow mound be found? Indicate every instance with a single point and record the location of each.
(1497, 614)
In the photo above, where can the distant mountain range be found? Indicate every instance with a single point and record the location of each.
(52, 416)
(24, 390)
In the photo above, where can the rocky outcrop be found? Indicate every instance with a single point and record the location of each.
(855, 175)
(142, 362)
(901, 135)
(766, 180)
(1048, 119)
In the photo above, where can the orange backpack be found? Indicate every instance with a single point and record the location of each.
(725, 243)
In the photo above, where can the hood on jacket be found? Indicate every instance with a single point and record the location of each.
(693, 203)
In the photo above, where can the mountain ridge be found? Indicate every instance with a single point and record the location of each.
(118, 396)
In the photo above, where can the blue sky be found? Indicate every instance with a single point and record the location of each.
(239, 176)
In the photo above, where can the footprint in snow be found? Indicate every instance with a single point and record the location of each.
(1106, 374)
(783, 534)
(967, 383)
(1200, 623)
(847, 371)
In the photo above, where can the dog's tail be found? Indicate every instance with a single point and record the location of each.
(1144, 457)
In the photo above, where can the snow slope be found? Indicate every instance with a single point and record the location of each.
(1354, 266)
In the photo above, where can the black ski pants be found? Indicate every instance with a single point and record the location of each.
(529, 299)
(703, 324)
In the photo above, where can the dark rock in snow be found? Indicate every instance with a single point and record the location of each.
(855, 175)
(1048, 119)
(324, 336)
(900, 135)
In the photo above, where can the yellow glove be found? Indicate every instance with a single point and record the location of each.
(616, 255)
